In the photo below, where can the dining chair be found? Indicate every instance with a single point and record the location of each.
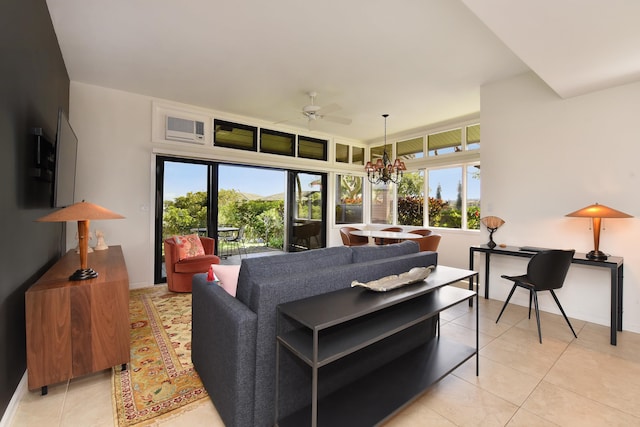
(421, 231)
(349, 239)
(546, 271)
(380, 241)
(429, 243)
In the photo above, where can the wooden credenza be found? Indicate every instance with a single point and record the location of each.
(77, 327)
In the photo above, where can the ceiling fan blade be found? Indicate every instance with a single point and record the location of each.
(336, 119)
(328, 109)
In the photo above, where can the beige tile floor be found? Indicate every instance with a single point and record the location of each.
(561, 382)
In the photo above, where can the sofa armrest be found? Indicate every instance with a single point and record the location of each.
(223, 350)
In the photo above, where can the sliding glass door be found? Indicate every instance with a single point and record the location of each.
(182, 203)
(247, 209)
(307, 209)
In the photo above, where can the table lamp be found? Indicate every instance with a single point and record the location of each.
(596, 212)
(492, 223)
(82, 212)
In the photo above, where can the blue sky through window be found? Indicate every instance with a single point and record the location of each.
(181, 178)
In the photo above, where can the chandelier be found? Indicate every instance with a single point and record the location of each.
(383, 170)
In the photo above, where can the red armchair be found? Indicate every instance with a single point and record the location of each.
(180, 272)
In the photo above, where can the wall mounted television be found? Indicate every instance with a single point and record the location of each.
(66, 147)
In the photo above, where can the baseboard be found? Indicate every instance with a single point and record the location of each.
(21, 390)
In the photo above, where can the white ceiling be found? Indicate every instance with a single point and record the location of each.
(420, 61)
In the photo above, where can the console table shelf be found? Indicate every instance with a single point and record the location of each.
(357, 319)
(363, 331)
(376, 397)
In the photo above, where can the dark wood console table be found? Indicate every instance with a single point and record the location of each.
(77, 327)
(337, 324)
(613, 263)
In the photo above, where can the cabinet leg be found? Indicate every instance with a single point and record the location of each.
(124, 367)
(44, 390)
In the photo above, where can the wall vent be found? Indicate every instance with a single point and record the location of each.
(185, 130)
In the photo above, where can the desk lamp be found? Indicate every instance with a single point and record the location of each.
(596, 212)
(82, 212)
(492, 223)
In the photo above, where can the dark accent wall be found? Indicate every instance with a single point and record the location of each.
(33, 84)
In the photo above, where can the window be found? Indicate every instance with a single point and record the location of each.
(382, 204)
(233, 135)
(447, 202)
(411, 199)
(449, 197)
(445, 142)
(473, 196)
(312, 148)
(342, 153)
(445, 198)
(357, 155)
(450, 141)
(378, 152)
(473, 137)
(410, 149)
(349, 199)
(275, 142)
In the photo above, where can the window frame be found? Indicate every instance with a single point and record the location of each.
(459, 158)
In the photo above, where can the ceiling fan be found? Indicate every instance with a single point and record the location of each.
(314, 113)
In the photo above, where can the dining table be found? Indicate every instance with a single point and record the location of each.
(382, 235)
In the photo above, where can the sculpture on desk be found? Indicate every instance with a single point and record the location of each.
(492, 223)
(100, 245)
(89, 238)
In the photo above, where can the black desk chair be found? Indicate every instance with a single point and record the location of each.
(546, 271)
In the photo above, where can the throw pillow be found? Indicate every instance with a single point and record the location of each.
(188, 246)
(226, 276)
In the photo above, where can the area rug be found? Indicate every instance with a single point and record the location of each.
(160, 380)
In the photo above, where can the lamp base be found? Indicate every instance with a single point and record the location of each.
(491, 243)
(84, 274)
(597, 255)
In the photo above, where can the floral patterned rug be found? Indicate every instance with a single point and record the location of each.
(160, 378)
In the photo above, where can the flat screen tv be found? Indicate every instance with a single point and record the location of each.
(64, 183)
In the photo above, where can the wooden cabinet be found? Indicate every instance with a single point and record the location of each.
(337, 324)
(77, 327)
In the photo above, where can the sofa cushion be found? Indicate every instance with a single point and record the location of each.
(372, 253)
(226, 275)
(261, 268)
(195, 264)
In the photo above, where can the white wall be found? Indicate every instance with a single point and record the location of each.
(543, 157)
(114, 169)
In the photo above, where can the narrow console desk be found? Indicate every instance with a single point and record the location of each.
(613, 263)
(335, 325)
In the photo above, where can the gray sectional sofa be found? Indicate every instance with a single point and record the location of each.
(234, 339)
